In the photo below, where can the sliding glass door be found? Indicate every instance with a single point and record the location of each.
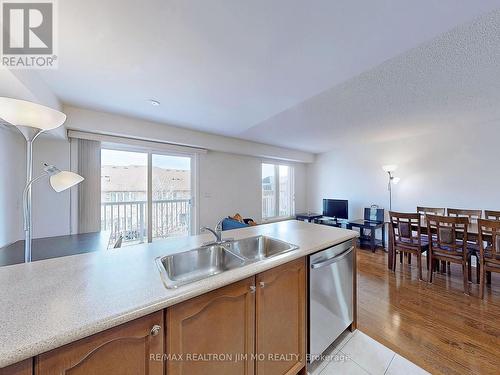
(124, 187)
(145, 196)
(171, 196)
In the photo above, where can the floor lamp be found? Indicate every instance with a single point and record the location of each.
(32, 120)
(392, 180)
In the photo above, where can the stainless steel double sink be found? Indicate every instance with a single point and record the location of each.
(209, 260)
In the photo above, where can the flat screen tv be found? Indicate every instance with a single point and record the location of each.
(335, 208)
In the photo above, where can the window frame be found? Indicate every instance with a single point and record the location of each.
(291, 198)
(149, 195)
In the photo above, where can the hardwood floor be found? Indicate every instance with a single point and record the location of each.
(434, 325)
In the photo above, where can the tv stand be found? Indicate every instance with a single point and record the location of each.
(310, 217)
(372, 226)
(333, 222)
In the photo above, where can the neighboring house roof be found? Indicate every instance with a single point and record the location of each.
(266, 180)
(134, 178)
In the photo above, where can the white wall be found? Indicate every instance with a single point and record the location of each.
(452, 167)
(117, 125)
(51, 210)
(13, 167)
(228, 184)
(229, 173)
(231, 183)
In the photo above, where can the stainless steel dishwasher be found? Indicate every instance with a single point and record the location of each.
(330, 295)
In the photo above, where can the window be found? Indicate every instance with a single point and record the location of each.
(278, 196)
(145, 196)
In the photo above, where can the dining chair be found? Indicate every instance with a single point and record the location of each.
(431, 210)
(473, 215)
(491, 215)
(449, 243)
(473, 246)
(406, 237)
(489, 249)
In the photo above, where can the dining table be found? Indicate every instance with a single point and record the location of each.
(53, 247)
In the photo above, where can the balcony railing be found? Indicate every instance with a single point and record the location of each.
(170, 218)
(268, 204)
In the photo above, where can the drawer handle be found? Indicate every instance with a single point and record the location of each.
(155, 330)
(253, 289)
(262, 284)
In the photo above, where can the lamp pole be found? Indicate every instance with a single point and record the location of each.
(30, 134)
(389, 187)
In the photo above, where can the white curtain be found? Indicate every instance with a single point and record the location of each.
(89, 191)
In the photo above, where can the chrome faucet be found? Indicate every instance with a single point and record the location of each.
(217, 232)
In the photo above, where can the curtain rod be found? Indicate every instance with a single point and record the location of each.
(137, 142)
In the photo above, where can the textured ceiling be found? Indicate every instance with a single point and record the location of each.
(453, 80)
(224, 66)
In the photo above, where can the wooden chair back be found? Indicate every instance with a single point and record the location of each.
(491, 215)
(405, 228)
(422, 211)
(472, 215)
(489, 240)
(431, 211)
(449, 235)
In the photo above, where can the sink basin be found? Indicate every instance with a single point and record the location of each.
(197, 264)
(259, 247)
(202, 262)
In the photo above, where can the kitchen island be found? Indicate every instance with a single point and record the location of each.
(51, 303)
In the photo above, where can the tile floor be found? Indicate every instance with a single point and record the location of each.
(356, 353)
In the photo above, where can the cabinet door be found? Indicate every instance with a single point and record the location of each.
(281, 319)
(124, 350)
(22, 368)
(212, 333)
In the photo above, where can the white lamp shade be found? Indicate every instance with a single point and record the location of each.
(389, 167)
(396, 180)
(64, 180)
(23, 113)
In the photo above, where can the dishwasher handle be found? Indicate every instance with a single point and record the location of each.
(333, 259)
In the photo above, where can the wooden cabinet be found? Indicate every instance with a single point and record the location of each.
(22, 368)
(124, 350)
(212, 333)
(281, 319)
(254, 326)
(268, 327)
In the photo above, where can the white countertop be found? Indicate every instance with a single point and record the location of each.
(50, 303)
